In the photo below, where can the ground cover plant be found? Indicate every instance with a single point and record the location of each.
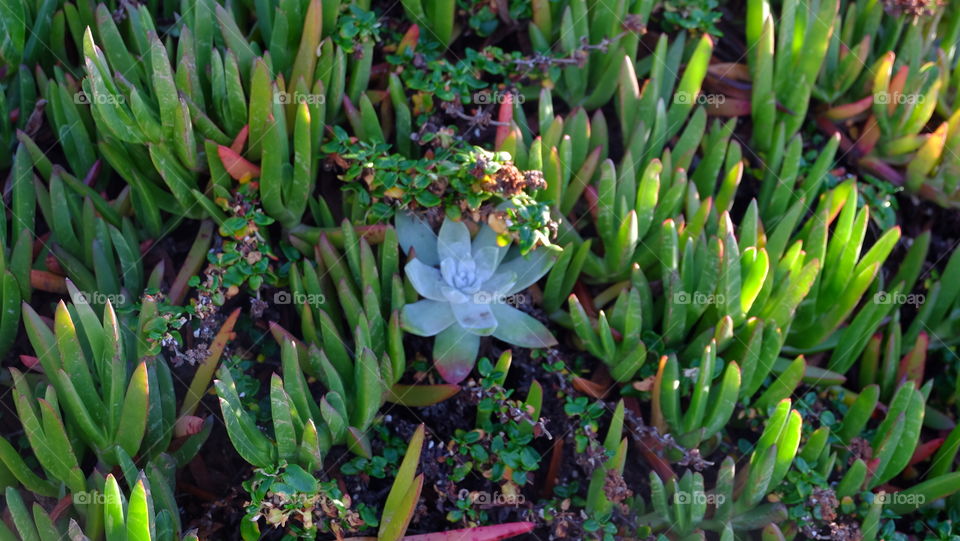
(476, 269)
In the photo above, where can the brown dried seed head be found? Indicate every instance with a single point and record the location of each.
(509, 180)
(534, 180)
(912, 8)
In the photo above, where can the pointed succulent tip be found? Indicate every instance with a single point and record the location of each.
(454, 373)
(30, 362)
(187, 425)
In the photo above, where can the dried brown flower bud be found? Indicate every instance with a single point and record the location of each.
(635, 23)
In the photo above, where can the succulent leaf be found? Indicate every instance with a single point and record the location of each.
(427, 317)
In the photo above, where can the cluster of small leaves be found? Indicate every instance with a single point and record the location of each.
(383, 465)
(530, 223)
(503, 438)
(163, 331)
(693, 15)
(467, 512)
(356, 26)
(600, 528)
(243, 258)
(557, 367)
(880, 195)
(587, 415)
(811, 407)
(380, 178)
(461, 178)
(435, 77)
(562, 513)
(484, 19)
(493, 454)
(287, 496)
(799, 486)
(935, 526)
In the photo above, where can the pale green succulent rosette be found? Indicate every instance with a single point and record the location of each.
(468, 287)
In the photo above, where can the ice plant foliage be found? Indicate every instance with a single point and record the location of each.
(468, 286)
(744, 295)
